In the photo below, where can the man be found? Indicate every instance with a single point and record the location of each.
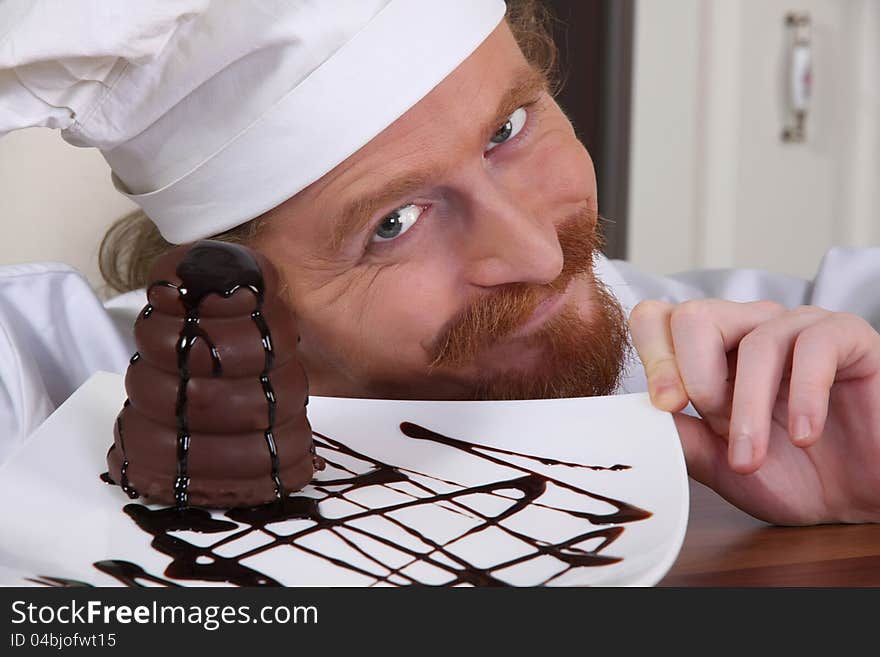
(451, 252)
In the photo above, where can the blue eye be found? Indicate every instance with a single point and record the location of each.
(511, 128)
(397, 223)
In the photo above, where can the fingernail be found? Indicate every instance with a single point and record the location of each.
(741, 451)
(801, 429)
(665, 393)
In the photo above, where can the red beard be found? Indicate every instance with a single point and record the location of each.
(580, 357)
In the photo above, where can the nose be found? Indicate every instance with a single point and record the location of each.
(506, 243)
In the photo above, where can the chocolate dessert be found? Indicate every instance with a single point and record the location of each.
(215, 415)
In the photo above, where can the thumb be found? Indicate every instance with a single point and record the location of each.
(705, 452)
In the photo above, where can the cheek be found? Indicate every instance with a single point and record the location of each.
(563, 170)
(557, 168)
(377, 320)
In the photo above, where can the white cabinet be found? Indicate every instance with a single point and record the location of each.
(712, 184)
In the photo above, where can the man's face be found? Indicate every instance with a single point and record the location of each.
(451, 257)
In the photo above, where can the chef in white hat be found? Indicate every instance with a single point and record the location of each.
(433, 215)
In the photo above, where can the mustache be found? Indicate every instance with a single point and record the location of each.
(502, 311)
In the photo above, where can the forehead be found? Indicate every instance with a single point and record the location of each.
(433, 129)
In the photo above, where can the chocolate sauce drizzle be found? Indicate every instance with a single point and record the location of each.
(124, 483)
(353, 474)
(57, 582)
(210, 267)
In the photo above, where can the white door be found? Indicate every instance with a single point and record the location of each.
(712, 183)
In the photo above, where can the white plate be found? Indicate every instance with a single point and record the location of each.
(512, 501)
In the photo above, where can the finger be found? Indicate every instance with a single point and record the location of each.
(763, 356)
(841, 343)
(703, 332)
(705, 452)
(649, 329)
(706, 456)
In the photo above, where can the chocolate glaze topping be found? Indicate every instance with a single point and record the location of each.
(216, 409)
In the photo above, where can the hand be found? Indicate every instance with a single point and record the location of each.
(789, 403)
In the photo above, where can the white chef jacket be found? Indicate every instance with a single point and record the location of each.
(55, 332)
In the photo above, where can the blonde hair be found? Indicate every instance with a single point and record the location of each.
(133, 243)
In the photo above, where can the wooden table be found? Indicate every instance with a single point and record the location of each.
(726, 547)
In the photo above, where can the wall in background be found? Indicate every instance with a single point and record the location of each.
(56, 201)
(711, 182)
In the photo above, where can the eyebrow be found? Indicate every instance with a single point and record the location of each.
(356, 215)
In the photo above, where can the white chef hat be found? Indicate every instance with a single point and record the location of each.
(212, 112)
